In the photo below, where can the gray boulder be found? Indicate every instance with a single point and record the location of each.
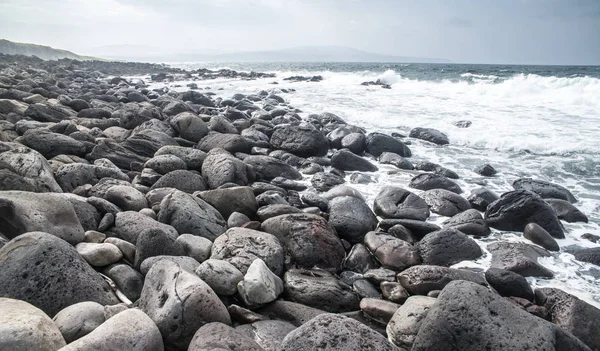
(220, 167)
(52, 144)
(227, 201)
(508, 283)
(183, 180)
(73, 175)
(300, 140)
(267, 168)
(404, 325)
(429, 181)
(420, 280)
(267, 334)
(566, 211)
(189, 126)
(351, 217)
(378, 143)
(447, 247)
(79, 319)
(218, 336)
(391, 252)
(155, 242)
(470, 222)
(259, 286)
(348, 161)
(230, 142)
(33, 167)
(540, 236)
(445, 203)
(220, 275)
(544, 189)
(394, 202)
(129, 224)
(520, 258)
(429, 134)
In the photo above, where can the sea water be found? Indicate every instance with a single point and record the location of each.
(527, 121)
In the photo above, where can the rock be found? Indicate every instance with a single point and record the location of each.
(319, 289)
(117, 153)
(351, 217)
(481, 198)
(418, 229)
(129, 224)
(395, 202)
(155, 242)
(355, 142)
(230, 142)
(221, 276)
(99, 255)
(22, 212)
(192, 158)
(394, 292)
(218, 336)
(270, 211)
(195, 247)
(571, 314)
(128, 280)
(308, 239)
(359, 259)
(395, 160)
(470, 317)
(420, 280)
(515, 209)
(220, 167)
(447, 247)
(566, 211)
(378, 143)
(52, 144)
(241, 246)
(79, 320)
(94, 113)
(348, 161)
(230, 200)
(508, 283)
(189, 126)
(191, 215)
(430, 134)
(130, 330)
(337, 135)
(429, 181)
(469, 222)
(591, 237)
(164, 164)
(179, 302)
(186, 181)
(335, 332)
(33, 167)
(35, 260)
(404, 325)
(300, 140)
(520, 258)
(12, 106)
(243, 315)
(259, 286)
(221, 124)
(267, 334)
(185, 262)
(48, 113)
(127, 198)
(540, 236)
(326, 181)
(197, 98)
(589, 255)
(379, 310)
(486, 170)
(445, 203)
(392, 252)
(544, 189)
(268, 168)
(127, 248)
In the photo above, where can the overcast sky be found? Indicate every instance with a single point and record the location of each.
(477, 31)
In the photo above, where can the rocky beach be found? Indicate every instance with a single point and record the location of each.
(143, 209)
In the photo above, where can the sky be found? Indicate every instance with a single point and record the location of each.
(463, 31)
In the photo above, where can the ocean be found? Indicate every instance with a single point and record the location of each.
(527, 121)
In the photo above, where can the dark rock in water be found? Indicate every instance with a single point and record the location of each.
(445, 203)
(430, 134)
(378, 143)
(197, 98)
(326, 181)
(37, 259)
(486, 170)
(420, 280)
(309, 240)
(418, 228)
(319, 289)
(155, 242)
(241, 246)
(359, 178)
(571, 314)
(395, 160)
(447, 247)
(337, 135)
(335, 332)
(462, 124)
(379, 82)
(515, 209)
(314, 200)
(481, 198)
(52, 144)
(300, 140)
(189, 126)
(220, 167)
(219, 336)
(348, 161)
(486, 321)
(544, 189)
(566, 211)
(520, 258)
(394, 202)
(191, 215)
(22, 212)
(540, 236)
(351, 218)
(589, 255)
(179, 302)
(591, 237)
(354, 142)
(508, 283)
(231, 142)
(227, 201)
(186, 181)
(391, 252)
(429, 181)
(267, 168)
(469, 222)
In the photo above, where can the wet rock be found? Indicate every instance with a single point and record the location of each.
(359, 259)
(319, 289)
(566, 211)
(326, 181)
(335, 332)
(179, 302)
(241, 246)
(25, 327)
(378, 310)
(445, 203)
(309, 240)
(300, 140)
(395, 160)
(37, 259)
(430, 134)
(429, 181)
(365, 289)
(447, 247)
(221, 276)
(79, 320)
(481, 198)
(508, 283)
(520, 258)
(395, 202)
(589, 255)
(219, 336)
(355, 142)
(540, 236)
(418, 229)
(378, 143)
(268, 168)
(515, 209)
(394, 292)
(230, 200)
(469, 222)
(351, 217)
(486, 170)
(348, 161)
(337, 135)
(392, 252)
(544, 189)
(230, 142)
(259, 286)
(486, 321)
(116, 152)
(405, 323)
(420, 280)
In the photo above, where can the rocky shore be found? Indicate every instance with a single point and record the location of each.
(146, 219)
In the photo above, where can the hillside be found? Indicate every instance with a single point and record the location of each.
(43, 52)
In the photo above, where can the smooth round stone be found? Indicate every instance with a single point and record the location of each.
(540, 236)
(509, 283)
(220, 275)
(126, 197)
(365, 289)
(196, 247)
(392, 252)
(99, 255)
(127, 248)
(378, 310)
(405, 323)
(79, 319)
(92, 236)
(237, 219)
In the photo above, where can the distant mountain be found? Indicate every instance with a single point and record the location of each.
(43, 52)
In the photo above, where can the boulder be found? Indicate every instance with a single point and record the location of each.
(391, 158)
(227, 201)
(540, 236)
(99, 255)
(544, 189)
(230, 142)
(520, 258)
(420, 280)
(155, 242)
(220, 167)
(300, 140)
(404, 325)
(429, 181)
(445, 203)
(351, 217)
(323, 181)
(429, 134)
(79, 320)
(220, 275)
(481, 198)
(189, 126)
(52, 144)
(218, 336)
(73, 175)
(184, 180)
(447, 247)
(391, 252)
(378, 143)
(129, 224)
(418, 229)
(126, 198)
(195, 247)
(589, 255)
(268, 334)
(395, 202)
(348, 161)
(267, 168)
(566, 211)
(164, 164)
(259, 286)
(33, 167)
(192, 158)
(508, 283)
(49, 273)
(515, 209)
(469, 222)
(355, 142)
(48, 113)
